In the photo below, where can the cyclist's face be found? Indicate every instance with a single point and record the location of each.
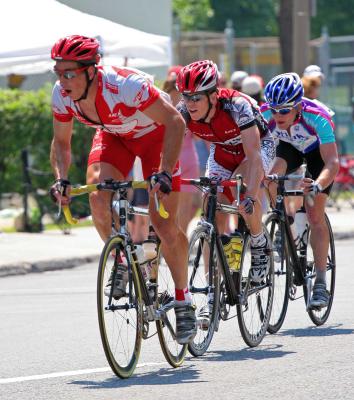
(197, 105)
(72, 78)
(284, 121)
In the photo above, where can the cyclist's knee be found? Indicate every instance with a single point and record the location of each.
(168, 231)
(99, 202)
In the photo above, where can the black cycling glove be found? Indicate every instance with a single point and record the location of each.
(248, 204)
(164, 179)
(59, 186)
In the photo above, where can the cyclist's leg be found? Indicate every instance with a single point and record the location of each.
(319, 240)
(174, 243)
(103, 163)
(220, 169)
(259, 245)
(319, 237)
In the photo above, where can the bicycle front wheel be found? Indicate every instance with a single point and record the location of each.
(120, 320)
(255, 300)
(205, 288)
(320, 316)
(166, 326)
(282, 272)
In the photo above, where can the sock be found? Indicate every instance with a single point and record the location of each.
(183, 296)
(258, 240)
(320, 276)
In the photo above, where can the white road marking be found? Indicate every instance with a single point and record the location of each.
(70, 373)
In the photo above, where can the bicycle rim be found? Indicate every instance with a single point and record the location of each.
(120, 329)
(166, 327)
(319, 317)
(281, 275)
(254, 309)
(200, 285)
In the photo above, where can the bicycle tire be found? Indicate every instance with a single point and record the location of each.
(166, 328)
(120, 329)
(282, 271)
(319, 317)
(199, 287)
(254, 309)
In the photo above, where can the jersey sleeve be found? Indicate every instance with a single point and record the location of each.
(266, 113)
(325, 129)
(138, 92)
(60, 112)
(242, 113)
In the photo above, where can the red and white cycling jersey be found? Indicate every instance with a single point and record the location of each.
(121, 97)
(235, 112)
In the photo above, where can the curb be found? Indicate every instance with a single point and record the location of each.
(23, 268)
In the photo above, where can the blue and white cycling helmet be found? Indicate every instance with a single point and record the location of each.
(285, 90)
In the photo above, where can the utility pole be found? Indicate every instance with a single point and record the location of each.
(301, 34)
(229, 47)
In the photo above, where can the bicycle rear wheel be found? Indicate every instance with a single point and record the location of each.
(255, 303)
(320, 316)
(282, 272)
(205, 288)
(166, 327)
(120, 321)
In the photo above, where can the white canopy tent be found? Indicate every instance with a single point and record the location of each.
(30, 28)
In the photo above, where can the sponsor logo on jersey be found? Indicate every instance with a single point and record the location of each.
(139, 95)
(112, 88)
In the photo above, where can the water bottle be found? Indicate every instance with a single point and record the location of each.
(233, 245)
(150, 249)
(144, 265)
(302, 229)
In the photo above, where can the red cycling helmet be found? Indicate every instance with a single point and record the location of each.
(76, 48)
(200, 76)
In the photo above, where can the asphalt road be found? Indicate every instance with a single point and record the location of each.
(50, 348)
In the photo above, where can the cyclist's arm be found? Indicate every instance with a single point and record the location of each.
(252, 148)
(329, 171)
(164, 113)
(60, 152)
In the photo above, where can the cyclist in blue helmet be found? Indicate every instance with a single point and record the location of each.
(305, 133)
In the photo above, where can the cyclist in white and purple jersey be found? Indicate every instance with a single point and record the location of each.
(306, 133)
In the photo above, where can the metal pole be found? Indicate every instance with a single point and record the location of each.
(324, 62)
(229, 46)
(26, 187)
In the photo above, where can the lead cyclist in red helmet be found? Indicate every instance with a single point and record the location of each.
(231, 121)
(132, 118)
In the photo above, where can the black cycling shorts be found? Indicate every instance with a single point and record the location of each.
(294, 159)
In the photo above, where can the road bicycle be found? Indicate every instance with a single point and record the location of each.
(293, 265)
(149, 297)
(211, 282)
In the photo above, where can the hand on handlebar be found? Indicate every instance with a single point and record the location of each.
(247, 206)
(311, 187)
(60, 191)
(164, 181)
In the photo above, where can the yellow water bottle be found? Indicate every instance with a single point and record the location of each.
(233, 245)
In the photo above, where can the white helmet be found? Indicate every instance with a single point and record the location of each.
(314, 71)
(237, 77)
(251, 85)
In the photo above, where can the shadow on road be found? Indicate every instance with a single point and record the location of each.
(163, 376)
(261, 352)
(331, 330)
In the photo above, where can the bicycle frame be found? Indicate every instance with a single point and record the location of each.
(122, 207)
(299, 263)
(209, 221)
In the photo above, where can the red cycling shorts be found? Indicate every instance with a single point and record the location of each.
(121, 153)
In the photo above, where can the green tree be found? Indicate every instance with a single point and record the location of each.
(193, 14)
(250, 18)
(338, 16)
